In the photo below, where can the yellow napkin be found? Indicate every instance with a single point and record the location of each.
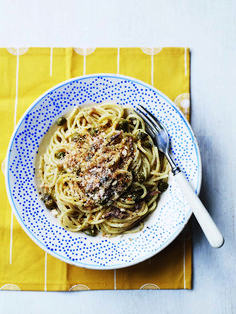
(25, 73)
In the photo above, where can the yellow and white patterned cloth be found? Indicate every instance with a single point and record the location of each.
(26, 73)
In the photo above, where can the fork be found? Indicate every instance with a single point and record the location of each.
(160, 135)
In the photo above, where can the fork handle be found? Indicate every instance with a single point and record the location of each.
(208, 226)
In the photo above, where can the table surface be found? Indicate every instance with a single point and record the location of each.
(209, 29)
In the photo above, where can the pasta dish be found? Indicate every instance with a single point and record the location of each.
(101, 171)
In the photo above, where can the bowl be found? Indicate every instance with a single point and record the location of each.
(30, 139)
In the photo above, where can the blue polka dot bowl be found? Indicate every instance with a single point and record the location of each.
(100, 252)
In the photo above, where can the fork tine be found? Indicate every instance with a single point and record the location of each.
(150, 130)
(146, 117)
(149, 124)
(159, 125)
(151, 117)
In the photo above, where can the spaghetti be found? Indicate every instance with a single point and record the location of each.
(101, 171)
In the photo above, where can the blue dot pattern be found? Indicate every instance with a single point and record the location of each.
(100, 252)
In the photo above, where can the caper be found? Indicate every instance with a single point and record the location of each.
(126, 194)
(93, 131)
(147, 144)
(76, 137)
(162, 186)
(141, 135)
(123, 125)
(46, 197)
(95, 190)
(60, 155)
(140, 177)
(133, 120)
(63, 171)
(48, 201)
(61, 121)
(135, 196)
(103, 201)
(90, 232)
(50, 204)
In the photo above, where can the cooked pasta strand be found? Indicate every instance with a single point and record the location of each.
(101, 170)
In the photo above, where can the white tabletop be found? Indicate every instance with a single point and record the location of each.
(209, 29)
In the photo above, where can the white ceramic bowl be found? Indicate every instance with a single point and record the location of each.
(29, 138)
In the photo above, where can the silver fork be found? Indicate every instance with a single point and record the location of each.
(160, 135)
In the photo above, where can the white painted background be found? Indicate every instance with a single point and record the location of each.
(208, 27)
